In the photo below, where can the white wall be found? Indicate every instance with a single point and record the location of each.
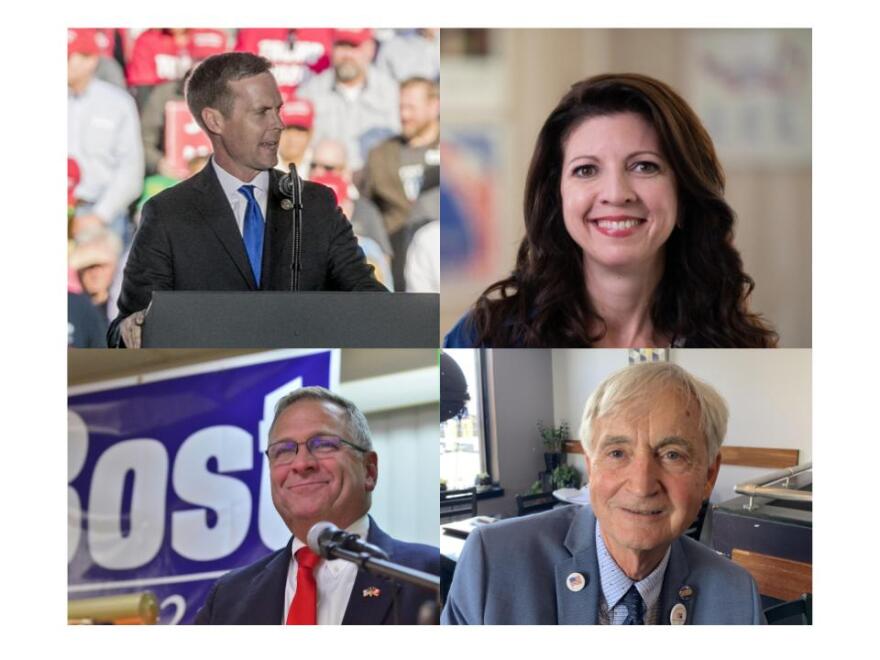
(521, 394)
(405, 502)
(768, 393)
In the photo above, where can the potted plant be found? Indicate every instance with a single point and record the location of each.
(565, 476)
(553, 438)
(482, 481)
(443, 484)
(535, 488)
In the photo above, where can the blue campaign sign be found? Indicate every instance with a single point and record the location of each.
(168, 486)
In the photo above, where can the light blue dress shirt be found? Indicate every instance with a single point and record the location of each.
(615, 584)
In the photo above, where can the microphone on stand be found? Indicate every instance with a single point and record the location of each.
(326, 539)
(290, 186)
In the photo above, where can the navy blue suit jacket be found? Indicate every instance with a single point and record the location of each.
(516, 571)
(255, 594)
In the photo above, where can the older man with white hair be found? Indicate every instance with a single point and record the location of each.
(652, 435)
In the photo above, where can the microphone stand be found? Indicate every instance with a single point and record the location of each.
(296, 195)
(388, 569)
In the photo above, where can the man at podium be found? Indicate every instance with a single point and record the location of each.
(229, 227)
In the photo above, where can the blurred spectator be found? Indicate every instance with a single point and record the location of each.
(153, 126)
(85, 327)
(154, 111)
(298, 116)
(162, 55)
(110, 68)
(96, 261)
(411, 54)
(373, 252)
(103, 136)
(72, 183)
(297, 54)
(329, 158)
(423, 254)
(354, 101)
(396, 169)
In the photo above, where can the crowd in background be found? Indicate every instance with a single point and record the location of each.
(361, 113)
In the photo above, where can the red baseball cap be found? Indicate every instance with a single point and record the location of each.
(82, 40)
(336, 183)
(354, 36)
(298, 113)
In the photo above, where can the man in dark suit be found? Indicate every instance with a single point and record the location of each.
(225, 228)
(322, 468)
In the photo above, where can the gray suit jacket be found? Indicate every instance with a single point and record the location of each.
(514, 572)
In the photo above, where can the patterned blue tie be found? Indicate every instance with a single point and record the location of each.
(253, 231)
(635, 607)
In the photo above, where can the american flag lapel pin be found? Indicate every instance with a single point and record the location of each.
(371, 592)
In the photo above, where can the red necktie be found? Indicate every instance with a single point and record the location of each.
(304, 608)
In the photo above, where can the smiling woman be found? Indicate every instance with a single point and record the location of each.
(629, 241)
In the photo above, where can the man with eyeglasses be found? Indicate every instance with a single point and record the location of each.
(322, 468)
(652, 436)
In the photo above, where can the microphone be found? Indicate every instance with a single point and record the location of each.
(325, 539)
(290, 185)
(290, 188)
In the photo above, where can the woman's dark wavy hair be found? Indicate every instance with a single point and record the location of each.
(703, 293)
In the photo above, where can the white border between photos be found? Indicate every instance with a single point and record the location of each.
(846, 236)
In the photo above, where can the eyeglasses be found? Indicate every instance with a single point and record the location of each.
(324, 166)
(319, 446)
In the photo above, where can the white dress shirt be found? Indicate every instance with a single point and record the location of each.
(237, 201)
(334, 579)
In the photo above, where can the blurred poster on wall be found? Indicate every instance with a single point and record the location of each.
(168, 485)
(752, 89)
(468, 200)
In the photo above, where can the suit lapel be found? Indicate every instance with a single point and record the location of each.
(676, 589)
(218, 216)
(371, 596)
(263, 603)
(573, 605)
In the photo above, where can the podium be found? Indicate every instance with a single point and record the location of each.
(282, 319)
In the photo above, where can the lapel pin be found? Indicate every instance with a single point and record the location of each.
(678, 615)
(575, 582)
(685, 592)
(286, 204)
(371, 592)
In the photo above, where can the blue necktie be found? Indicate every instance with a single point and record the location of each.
(253, 231)
(635, 606)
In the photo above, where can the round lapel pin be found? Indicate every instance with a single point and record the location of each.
(575, 582)
(286, 204)
(678, 615)
(685, 592)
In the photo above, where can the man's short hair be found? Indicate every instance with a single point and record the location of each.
(358, 428)
(207, 85)
(638, 382)
(432, 90)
